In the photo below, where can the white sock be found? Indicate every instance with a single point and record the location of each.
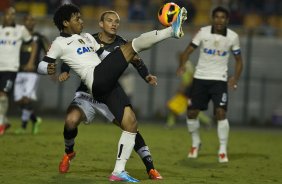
(25, 114)
(223, 133)
(3, 108)
(125, 147)
(147, 40)
(193, 128)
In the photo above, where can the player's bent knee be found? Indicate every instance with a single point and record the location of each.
(220, 114)
(72, 120)
(129, 122)
(192, 114)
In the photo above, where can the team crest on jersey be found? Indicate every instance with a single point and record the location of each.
(81, 41)
(7, 33)
(216, 43)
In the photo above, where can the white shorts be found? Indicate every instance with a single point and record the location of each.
(90, 106)
(26, 86)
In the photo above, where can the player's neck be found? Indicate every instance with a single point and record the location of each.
(106, 38)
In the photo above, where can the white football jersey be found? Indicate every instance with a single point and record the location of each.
(214, 53)
(79, 53)
(11, 39)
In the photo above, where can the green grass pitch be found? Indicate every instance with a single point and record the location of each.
(255, 156)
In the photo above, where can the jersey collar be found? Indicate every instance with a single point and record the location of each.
(223, 34)
(65, 34)
(13, 25)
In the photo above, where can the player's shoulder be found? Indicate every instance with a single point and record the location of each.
(121, 39)
(231, 33)
(96, 36)
(206, 29)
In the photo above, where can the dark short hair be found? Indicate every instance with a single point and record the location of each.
(102, 17)
(220, 9)
(64, 13)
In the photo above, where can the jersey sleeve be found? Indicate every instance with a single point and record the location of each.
(236, 45)
(55, 51)
(197, 38)
(95, 43)
(26, 36)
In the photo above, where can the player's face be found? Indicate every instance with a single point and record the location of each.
(29, 22)
(220, 21)
(74, 25)
(9, 17)
(110, 24)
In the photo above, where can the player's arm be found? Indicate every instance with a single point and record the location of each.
(65, 72)
(142, 69)
(48, 66)
(233, 80)
(184, 57)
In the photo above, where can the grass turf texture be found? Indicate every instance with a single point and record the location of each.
(254, 154)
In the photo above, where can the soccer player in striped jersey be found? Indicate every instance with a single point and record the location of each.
(211, 78)
(12, 36)
(27, 80)
(83, 107)
(84, 55)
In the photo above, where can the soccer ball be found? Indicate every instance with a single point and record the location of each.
(168, 13)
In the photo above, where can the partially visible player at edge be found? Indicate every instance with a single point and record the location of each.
(83, 107)
(211, 79)
(12, 36)
(84, 55)
(27, 80)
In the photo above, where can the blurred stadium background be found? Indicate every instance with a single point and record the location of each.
(258, 100)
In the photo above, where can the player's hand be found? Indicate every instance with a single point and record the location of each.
(180, 70)
(51, 68)
(232, 83)
(151, 79)
(63, 76)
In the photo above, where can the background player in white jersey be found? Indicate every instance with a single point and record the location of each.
(84, 55)
(84, 107)
(11, 37)
(211, 78)
(27, 79)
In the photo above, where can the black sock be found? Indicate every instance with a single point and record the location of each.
(33, 117)
(24, 124)
(143, 151)
(69, 135)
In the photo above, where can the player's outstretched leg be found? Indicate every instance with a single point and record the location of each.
(147, 40)
(177, 25)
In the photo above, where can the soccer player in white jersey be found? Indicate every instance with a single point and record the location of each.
(11, 37)
(84, 55)
(83, 107)
(211, 78)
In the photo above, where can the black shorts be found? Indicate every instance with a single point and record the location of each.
(202, 91)
(107, 73)
(7, 81)
(116, 101)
